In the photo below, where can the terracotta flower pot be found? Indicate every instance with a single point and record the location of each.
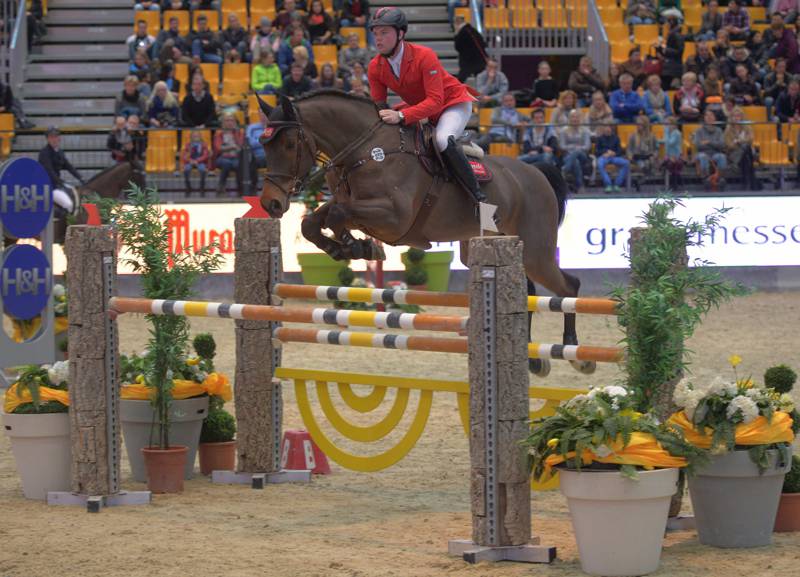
(217, 457)
(165, 468)
(788, 519)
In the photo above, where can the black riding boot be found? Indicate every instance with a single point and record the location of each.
(462, 171)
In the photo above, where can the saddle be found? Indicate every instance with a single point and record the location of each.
(432, 161)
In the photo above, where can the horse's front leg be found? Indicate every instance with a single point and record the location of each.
(311, 227)
(340, 220)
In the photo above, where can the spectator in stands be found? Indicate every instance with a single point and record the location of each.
(710, 23)
(759, 51)
(53, 160)
(688, 100)
(471, 48)
(671, 53)
(585, 81)
(722, 45)
(625, 103)
(147, 5)
(774, 84)
(265, 38)
(167, 75)
(567, 102)
(786, 45)
(300, 56)
(175, 4)
(505, 124)
(709, 144)
(140, 67)
(203, 5)
(356, 13)
(359, 88)
(787, 9)
(265, 77)
(228, 143)
(119, 140)
(739, 148)
(236, 38)
(328, 79)
(669, 9)
(673, 151)
(545, 90)
(576, 142)
(195, 156)
(491, 84)
(286, 52)
(131, 100)
(642, 149)
(285, 16)
(198, 108)
(319, 24)
(712, 86)
(205, 44)
(162, 109)
(640, 12)
(613, 77)
(736, 21)
(141, 40)
(744, 88)
(350, 54)
(360, 73)
(258, 158)
(8, 103)
(701, 60)
(451, 12)
(296, 82)
(787, 107)
(738, 55)
(599, 112)
(138, 137)
(608, 151)
(171, 37)
(656, 101)
(539, 141)
(300, 5)
(634, 66)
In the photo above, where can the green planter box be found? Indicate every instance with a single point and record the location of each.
(437, 265)
(319, 269)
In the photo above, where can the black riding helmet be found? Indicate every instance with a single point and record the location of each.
(389, 16)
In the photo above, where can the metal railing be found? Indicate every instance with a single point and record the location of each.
(553, 27)
(477, 16)
(597, 43)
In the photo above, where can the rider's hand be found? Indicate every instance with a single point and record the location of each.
(390, 116)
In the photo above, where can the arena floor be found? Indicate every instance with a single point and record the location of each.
(392, 523)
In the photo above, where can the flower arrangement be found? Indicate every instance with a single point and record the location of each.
(27, 329)
(602, 430)
(39, 389)
(724, 415)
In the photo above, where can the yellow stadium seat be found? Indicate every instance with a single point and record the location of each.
(240, 14)
(328, 6)
(524, 18)
(152, 18)
(774, 153)
(755, 113)
(624, 132)
(238, 7)
(757, 13)
(484, 119)
(689, 49)
(619, 52)
(211, 15)
(235, 79)
(688, 132)
(693, 15)
(646, 34)
(261, 8)
(360, 30)
(765, 135)
(325, 54)
(162, 148)
(611, 15)
(183, 20)
(554, 18)
(253, 108)
(6, 133)
(211, 74)
(465, 13)
(759, 26)
(548, 114)
(578, 16)
(496, 18)
(503, 149)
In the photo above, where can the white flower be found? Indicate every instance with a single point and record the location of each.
(615, 404)
(693, 399)
(576, 400)
(753, 393)
(592, 393)
(602, 451)
(59, 290)
(722, 388)
(615, 391)
(745, 406)
(59, 372)
(786, 402)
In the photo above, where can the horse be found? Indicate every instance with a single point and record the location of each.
(380, 187)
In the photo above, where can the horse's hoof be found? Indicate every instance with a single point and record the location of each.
(584, 367)
(539, 367)
(377, 251)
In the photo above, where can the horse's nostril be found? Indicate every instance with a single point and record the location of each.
(274, 208)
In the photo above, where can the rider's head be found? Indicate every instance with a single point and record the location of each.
(53, 137)
(389, 26)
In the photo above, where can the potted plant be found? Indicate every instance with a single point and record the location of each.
(217, 447)
(781, 379)
(36, 422)
(317, 268)
(618, 469)
(164, 274)
(415, 275)
(748, 430)
(436, 265)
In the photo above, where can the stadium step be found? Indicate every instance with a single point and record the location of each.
(86, 34)
(84, 52)
(122, 16)
(69, 106)
(31, 143)
(405, 3)
(430, 31)
(99, 122)
(71, 89)
(77, 71)
(88, 4)
(444, 48)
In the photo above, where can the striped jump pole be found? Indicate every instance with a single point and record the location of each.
(383, 320)
(439, 344)
(581, 305)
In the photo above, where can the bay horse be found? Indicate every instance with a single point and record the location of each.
(380, 187)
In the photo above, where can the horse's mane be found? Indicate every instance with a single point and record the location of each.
(334, 92)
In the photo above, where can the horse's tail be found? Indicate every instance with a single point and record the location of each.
(556, 180)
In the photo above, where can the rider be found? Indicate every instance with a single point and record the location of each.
(427, 89)
(52, 158)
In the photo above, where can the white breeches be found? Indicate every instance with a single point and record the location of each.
(452, 122)
(65, 199)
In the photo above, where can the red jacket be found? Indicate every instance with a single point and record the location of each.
(424, 85)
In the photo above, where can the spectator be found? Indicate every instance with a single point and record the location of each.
(701, 60)
(625, 103)
(171, 37)
(673, 151)
(567, 102)
(119, 140)
(712, 87)
(672, 53)
(471, 48)
(722, 45)
(505, 122)
(162, 110)
(265, 77)
(614, 72)
(709, 144)
(656, 101)
(786, 45)
(599, 112)
(359, 87)
(576, 143)
(167, 75)
(328, 79)
(744, 88)
(286, 52)
(669, 9)
(688, 101)
(147, 5)
(545, 90)
(758, 51)
(138, 137)
(235, 38)
(491, 84)
(319, 23)
(608, 151)
(640, 12)
(53, 160)
(724, 113)
(739, 148)
(738, 55)
(539, 141)
(8, 103)
(360, 72)
(301, 57)
(634, 66)
(228, 143)
(265, 38)
(205, 44)
(285, 17)
(736, 21)
(356, 13)
(131, 100)
(141, 40)
(300, 5)
(350, 54)
(203, 5)
(140, 67)
(787, 107)
(787, 9)
(775, 83)
(585, 81)
(297, 83)
(642, 147)
(258, 158)
(711, 22)
(198, 108)
(195, 156)
(176, 4)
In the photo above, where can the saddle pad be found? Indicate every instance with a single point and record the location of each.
(482, 172)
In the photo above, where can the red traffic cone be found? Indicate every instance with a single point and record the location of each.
(300, 453)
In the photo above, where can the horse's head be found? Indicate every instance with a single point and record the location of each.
(290, 151)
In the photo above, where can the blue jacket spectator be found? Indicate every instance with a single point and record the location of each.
(285, 56)
(252, 133)
(625, 103)
(607, 142)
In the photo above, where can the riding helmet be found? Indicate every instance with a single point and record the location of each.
(389, 16)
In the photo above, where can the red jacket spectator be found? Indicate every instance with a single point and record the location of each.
(202, 159)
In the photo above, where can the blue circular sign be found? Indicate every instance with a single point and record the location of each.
(25, 281)
(26, 197)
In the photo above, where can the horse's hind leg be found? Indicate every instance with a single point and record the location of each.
(539, 367)
(311, 227)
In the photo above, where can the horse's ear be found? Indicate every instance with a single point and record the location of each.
(288, 108)
(265, 108)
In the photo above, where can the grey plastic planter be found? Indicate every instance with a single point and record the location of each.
(186, 422)
(733, 505)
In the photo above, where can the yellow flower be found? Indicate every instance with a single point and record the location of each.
(140, 379)
(745, 383)
(192, 361)
(734, 360)
(552, 443)
(634, 415)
